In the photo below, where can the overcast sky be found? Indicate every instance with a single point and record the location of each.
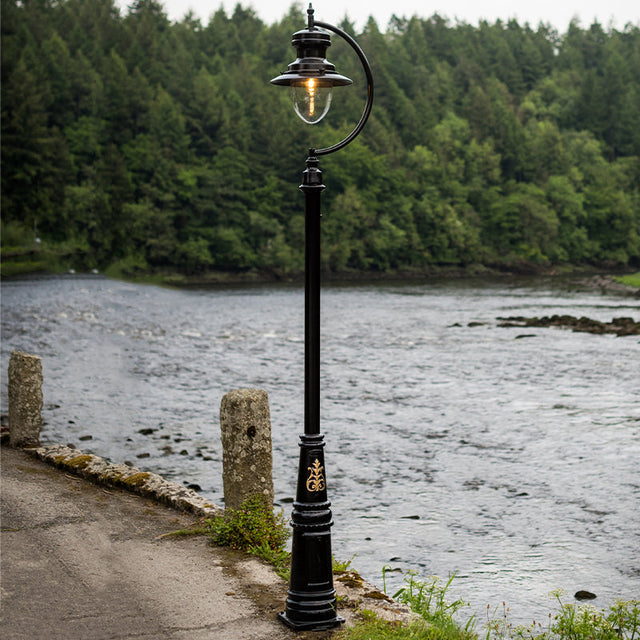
(558, 12)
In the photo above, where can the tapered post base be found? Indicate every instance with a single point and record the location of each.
(311, 598)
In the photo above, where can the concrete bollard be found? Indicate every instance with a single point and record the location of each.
(25, 399)
(245, 423)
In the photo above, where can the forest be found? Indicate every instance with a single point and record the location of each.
(143, 145)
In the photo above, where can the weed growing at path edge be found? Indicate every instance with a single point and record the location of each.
(253, 528)
(427, 598)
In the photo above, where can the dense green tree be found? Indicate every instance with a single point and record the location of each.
(155, 144)
(34, 156)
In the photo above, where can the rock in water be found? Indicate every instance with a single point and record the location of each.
(584, 595)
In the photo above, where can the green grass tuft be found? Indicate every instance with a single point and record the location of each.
(631, 280)
(438, 619)
(254, 528)
(373, 628)
(339, 566)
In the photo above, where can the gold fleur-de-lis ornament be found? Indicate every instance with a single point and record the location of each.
(315, 481)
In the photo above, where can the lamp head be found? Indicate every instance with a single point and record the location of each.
(311, 77)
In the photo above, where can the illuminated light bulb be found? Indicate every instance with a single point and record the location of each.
(311, 83)
(311, 99)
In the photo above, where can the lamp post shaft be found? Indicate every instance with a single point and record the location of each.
(312, 187)
(311, 599)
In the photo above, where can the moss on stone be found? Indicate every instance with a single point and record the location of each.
(78, 462)
(351, 579)
(110, 477)
(136, 480)
(377, 595)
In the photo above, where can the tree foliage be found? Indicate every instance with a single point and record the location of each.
(162, 144)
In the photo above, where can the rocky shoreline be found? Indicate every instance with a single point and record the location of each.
(609, 284)
(618, 326)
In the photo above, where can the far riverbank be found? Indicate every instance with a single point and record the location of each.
(37, 260)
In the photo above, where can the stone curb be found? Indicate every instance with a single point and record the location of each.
(144, 483)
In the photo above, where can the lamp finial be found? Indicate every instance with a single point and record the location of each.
(310, 16)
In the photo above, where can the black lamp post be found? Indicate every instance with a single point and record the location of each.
(311, 598)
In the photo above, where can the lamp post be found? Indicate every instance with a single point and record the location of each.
(311, 597)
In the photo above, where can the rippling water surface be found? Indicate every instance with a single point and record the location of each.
(512, 461)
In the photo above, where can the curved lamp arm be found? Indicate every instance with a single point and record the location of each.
(368, 105)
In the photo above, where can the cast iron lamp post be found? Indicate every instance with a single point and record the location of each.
(311, 598)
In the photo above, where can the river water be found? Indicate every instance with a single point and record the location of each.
(507, 456)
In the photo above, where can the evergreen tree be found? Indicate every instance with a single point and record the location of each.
(161, 145)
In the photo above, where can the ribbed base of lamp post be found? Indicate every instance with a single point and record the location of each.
(311, 598)
(303, 614)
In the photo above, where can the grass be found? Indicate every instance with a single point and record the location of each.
(340, 566)
(251, 526)
(255, 529)
(631, 280)
(12, 268)
(27, 259)
(197, 529)
(372, 628)
(437, 619)
(434, 620)
(582, 622)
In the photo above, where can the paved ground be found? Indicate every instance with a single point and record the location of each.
(81, 562)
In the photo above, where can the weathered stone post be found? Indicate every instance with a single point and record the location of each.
(25, 399)
(247, 460)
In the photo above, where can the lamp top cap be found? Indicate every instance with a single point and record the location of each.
(311, 44)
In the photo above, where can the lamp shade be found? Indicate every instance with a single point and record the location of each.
(311, 76)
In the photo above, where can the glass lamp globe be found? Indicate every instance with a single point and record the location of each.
(311, 99)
